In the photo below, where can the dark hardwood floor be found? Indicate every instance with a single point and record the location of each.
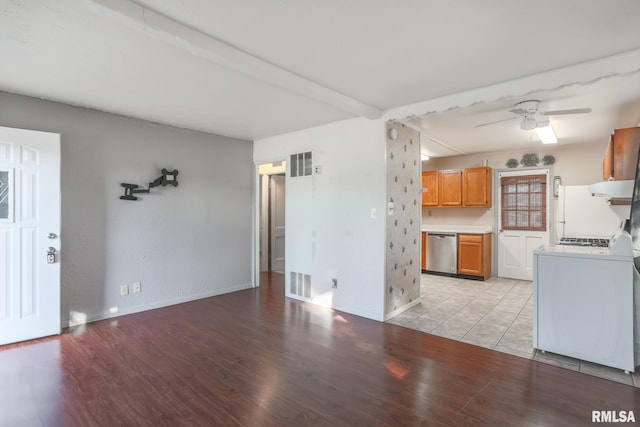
(254, 358)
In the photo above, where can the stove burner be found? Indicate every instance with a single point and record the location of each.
(584, 241)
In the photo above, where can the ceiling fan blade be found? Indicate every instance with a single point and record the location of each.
(497, 121)
(572, 111)
(519, 111)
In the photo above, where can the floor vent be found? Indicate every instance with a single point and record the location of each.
(300, 284)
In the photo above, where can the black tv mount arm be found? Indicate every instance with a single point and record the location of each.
(167, 178)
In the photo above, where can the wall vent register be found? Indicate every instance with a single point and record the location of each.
(300, 284)
(301, 165)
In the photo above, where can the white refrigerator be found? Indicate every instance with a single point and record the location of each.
(580, 214)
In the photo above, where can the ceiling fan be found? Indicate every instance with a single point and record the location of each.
(527, 110)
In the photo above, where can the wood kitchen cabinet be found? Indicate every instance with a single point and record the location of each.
(474, 255)
(476, 187)
(451, 187)
(430, 180)
(607, 164)
(621, 156)
(423, 259)
(469, 187)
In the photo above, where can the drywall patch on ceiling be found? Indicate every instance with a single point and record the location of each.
(609, 89)
(582, 74)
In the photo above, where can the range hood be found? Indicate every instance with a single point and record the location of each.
(614, 190)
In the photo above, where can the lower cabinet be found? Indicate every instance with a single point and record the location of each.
(474, 255)
(423, 258)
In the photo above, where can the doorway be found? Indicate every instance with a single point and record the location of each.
(276, 223)
(272, 233)
(523, 216)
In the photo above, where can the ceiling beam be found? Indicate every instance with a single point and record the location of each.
(221, 53)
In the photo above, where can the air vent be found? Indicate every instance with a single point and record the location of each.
(301, 164)
(300, 285)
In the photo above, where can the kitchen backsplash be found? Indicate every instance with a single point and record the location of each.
(458, 216)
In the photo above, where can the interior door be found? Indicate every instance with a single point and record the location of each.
(29, 230)
(523, 220)
(277, 226)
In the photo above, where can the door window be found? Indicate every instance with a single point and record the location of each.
(6, 195)
(524, 202)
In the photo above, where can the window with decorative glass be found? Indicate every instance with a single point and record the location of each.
(5, 195)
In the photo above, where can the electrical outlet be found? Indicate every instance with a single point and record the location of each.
(124, 290)
(137, 287)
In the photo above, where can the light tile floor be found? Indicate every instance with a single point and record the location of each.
(495, 314)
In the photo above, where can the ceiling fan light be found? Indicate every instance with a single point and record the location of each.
(546, 134)
(528, 123)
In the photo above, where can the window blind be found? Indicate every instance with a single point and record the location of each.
(524, 202)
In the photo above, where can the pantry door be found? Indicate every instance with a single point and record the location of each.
(29, 234)
(523, 220)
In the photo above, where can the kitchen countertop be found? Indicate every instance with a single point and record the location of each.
(475, 229)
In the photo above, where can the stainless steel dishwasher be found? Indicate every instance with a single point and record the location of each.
(442, 252)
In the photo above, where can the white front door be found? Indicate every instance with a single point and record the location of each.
(276, 203)
(523, 220)
(29, 226)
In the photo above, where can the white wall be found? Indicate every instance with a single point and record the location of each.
(330, 233)
(182, 243)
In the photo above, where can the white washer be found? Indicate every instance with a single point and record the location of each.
(584, 304)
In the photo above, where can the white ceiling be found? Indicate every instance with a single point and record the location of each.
(614, 101)
(375, 53)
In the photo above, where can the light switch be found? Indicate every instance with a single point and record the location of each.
(373, 213)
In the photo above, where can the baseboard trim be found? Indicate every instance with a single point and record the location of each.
(104, 315)
(401, 309)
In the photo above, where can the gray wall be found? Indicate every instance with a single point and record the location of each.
(182, 243)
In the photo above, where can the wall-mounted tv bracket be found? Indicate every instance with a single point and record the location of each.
(167, 178)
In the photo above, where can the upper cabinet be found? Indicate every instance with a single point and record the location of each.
(469, 187)
(430, 182)
(451, 188)
(621, 157)
(476, 187)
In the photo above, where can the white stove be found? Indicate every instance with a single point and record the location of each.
(584, 301)
(584, 241)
